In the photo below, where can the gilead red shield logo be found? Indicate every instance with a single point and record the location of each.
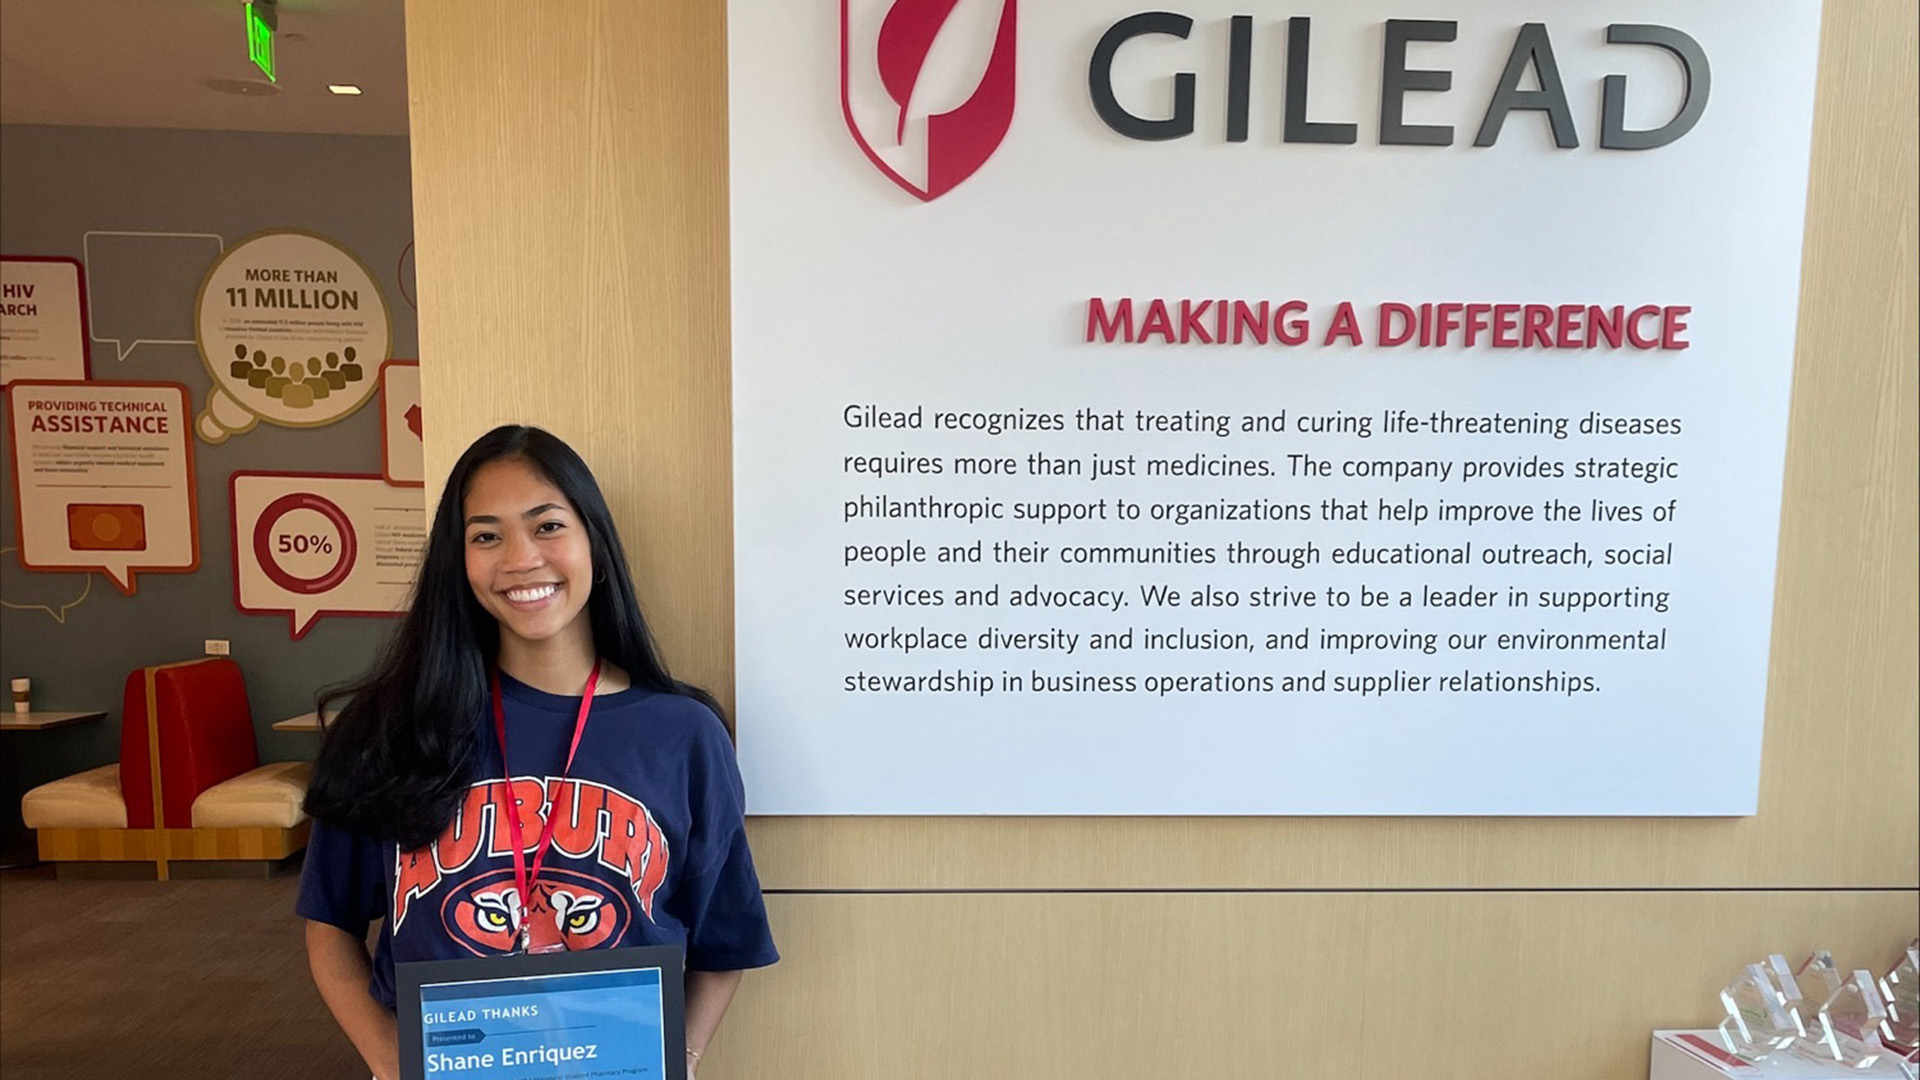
(927, 86)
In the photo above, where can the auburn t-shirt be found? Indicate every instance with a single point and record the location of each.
(649, 844)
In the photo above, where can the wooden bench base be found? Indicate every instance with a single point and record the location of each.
(160, 846)
(196, 869)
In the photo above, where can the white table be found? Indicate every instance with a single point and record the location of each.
(41, 720)
(304, 722)
(37, 720)
(1699, 1055)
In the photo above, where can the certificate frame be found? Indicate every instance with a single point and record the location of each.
(521, 975)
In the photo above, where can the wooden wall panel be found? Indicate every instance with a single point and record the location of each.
(570, 164)
(1366, 986)
(570, 208)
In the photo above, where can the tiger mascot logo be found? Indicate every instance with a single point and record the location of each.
(594, 824)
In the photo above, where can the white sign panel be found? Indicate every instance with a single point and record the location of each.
(43, 320)
(402, 453)
(1361, 411)
(314, 545)
(103, 478)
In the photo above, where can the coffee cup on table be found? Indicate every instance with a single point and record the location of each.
(23, 695)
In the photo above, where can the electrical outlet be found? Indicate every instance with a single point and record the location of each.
(216, 647)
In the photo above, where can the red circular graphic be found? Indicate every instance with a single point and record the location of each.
(263, 543)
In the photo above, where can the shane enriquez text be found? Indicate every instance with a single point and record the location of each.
(438, 1062)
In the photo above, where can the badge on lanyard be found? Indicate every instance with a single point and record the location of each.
(539, 931)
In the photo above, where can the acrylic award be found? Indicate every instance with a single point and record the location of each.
(1851, 1026)
(1900, 989)
(1819, 978)
(1757, 1024)
(1796, 1006)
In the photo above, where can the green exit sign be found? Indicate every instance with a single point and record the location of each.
(261, 23)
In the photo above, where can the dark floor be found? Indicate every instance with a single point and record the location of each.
(195, 979)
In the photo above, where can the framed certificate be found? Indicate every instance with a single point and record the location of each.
(550, 1016)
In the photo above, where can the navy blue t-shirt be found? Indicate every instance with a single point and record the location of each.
(650, 845)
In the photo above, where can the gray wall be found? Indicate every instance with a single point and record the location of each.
(57, 184)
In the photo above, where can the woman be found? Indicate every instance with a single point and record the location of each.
(524, 656)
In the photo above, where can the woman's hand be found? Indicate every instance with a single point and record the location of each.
(341, 970)
(708, 995)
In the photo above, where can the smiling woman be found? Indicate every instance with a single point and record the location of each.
(531, 568)
(520, 773)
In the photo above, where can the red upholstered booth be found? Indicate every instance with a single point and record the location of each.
(217, 802)
(206, 736)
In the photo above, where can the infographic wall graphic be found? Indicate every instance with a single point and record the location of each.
(43, 319)
(103, 473)
(1362, 410)
(141, 288)
(52, 595)
(315, 544)
(403, 454)
(103, 477)
(293, 329)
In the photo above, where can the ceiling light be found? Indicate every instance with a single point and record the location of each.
(343, 88)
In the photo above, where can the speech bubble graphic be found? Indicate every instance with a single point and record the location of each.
(139, 286)
(103, 478)
(20, 590)
(292, 328)
(43, 319)
(314, 544)
(224, 417)
(403, 456)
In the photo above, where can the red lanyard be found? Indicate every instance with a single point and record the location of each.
(520, 875)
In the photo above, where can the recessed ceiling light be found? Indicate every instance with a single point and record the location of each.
(343, 88)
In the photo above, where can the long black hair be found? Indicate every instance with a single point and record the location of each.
(397, 761)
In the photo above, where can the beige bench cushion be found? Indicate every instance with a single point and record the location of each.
(88, 800)
(266, 797)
